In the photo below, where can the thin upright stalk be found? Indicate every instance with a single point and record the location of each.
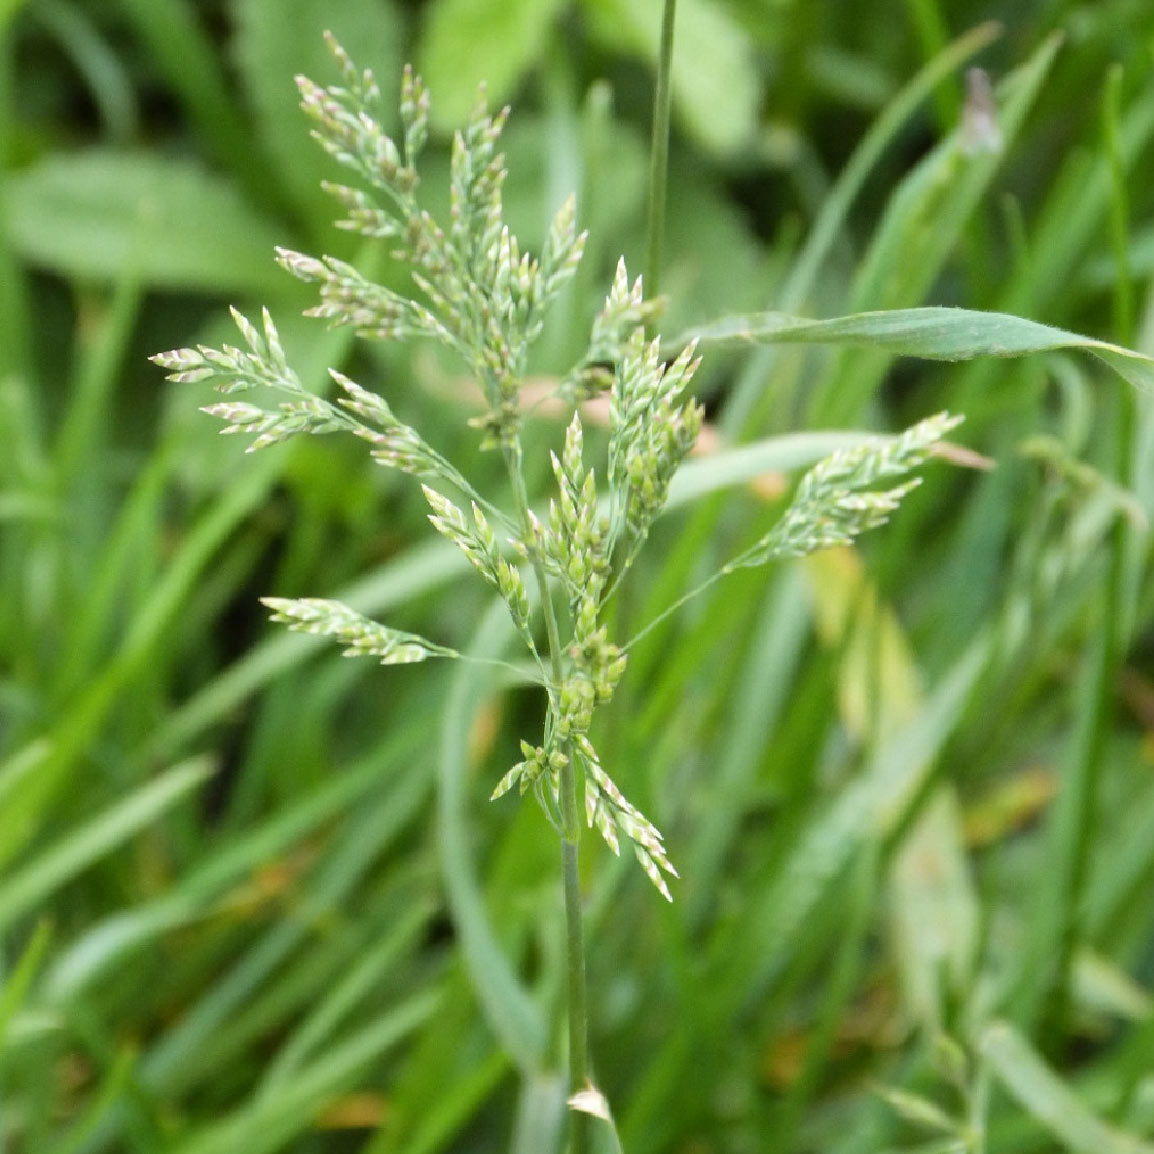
(659, 154)
(575, 954)
(577, 997)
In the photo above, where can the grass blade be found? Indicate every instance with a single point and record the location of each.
(944, 334)
(78, 849)
(511, 1013)
(1050, 1100)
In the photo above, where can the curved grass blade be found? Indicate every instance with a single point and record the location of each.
(267, 1123)
(940, 334)
(835, 209)
(511, 1013)
(120, 933)
(1037, 1088)
(353, 989)
(17, 983)
(871, 806)
(78, 849)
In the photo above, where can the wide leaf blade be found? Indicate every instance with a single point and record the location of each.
(941, 334)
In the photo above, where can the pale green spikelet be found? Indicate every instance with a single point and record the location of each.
(232, 370)
(537, 763)
(608, 810)
(564, 247)
(310, 415)
(479, 544)
(835, 503)
(359, 634)
(651, 431)
(572, 545)
(395, 444)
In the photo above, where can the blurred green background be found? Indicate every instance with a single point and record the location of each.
(252, 895)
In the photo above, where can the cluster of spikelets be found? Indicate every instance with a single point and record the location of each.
(479, 294)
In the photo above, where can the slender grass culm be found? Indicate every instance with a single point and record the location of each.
(555, 568)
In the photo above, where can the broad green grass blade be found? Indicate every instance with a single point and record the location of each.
(57, 864)
(175, 225)
(943, 334)
(1036, 1087)
(715, 471)
(467, 43)
(510, 1011)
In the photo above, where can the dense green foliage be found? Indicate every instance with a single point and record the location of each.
(253, 897)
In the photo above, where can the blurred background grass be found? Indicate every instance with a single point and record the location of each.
(252, 896)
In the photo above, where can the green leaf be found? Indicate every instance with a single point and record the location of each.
(371, 972)
(75, 851)
(1036, 1087)
(116, 1086)
(716, 93)
(470, 42)
(872, 805)
(19, 980)
(266, 1123)
(101, 213)
(278, 40)
(118, 934)
(943, 334)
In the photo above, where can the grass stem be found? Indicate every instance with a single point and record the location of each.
(659, 154)
(576, 995)
(575, 952)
